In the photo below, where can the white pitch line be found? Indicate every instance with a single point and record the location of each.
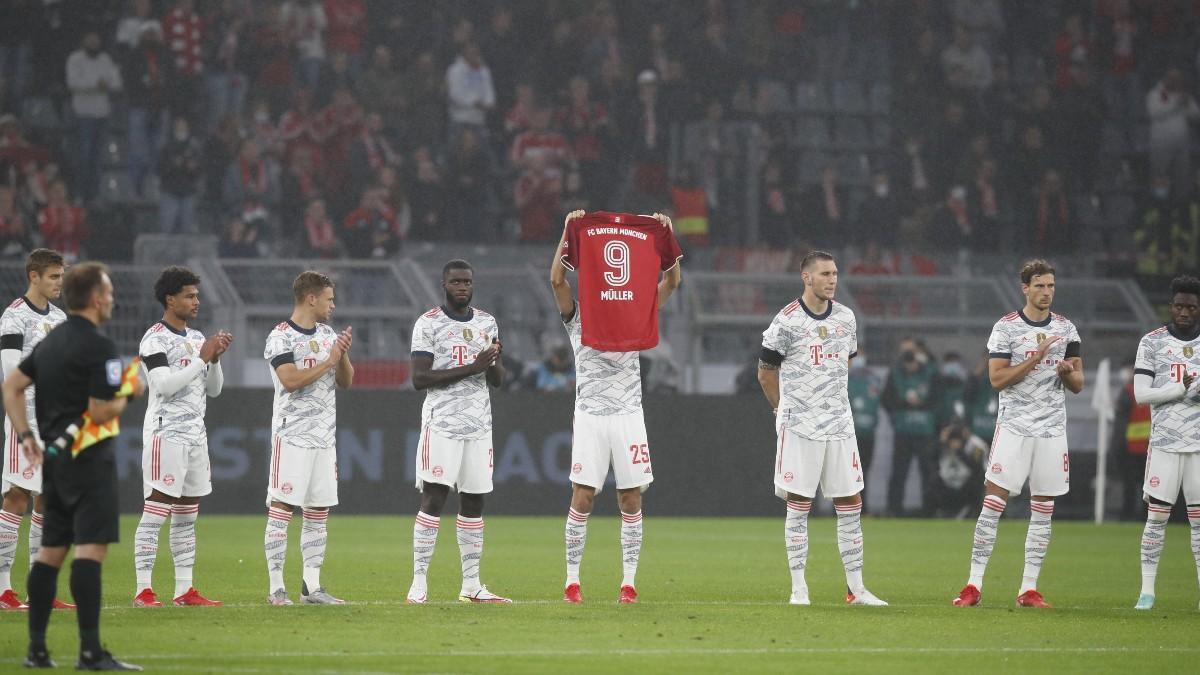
(699, 651)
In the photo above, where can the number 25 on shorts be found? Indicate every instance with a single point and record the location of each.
(639, 454)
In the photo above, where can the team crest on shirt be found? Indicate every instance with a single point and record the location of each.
(1187, 352)
(823, 332)
(188, 347)
(1041, 337)
(46, 327)
(468, 334)
(314, 346)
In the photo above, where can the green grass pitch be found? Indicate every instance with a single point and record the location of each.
(713, 598)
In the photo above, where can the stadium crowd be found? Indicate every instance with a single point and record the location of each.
(330, 128)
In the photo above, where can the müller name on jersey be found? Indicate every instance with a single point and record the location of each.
(614, 294)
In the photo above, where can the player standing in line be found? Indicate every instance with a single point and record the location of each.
(608, 429)
(804, 371)
(308, 361)
(183, 369)
(1165, 376)
(1034, 358)
(455, 357)
(26, 321)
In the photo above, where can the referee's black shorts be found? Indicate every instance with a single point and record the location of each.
(80, 498)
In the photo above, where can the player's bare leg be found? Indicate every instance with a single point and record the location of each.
(994, 500)
(630, 502)
(275, 542)
(1154, 536)
(795, 538)
(582, 500)
(850, 545)
(425, 531)
(1037, 540)
(16, 502)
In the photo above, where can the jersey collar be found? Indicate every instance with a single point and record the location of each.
(34, 308)
(1182, 337)
(1036, 324)
(819, 317)
(464, 317)
(298, 329)
(180, 333)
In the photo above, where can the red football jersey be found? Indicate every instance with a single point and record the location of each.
(618, 257)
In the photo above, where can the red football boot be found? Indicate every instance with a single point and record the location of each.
(146, 598)
(968, 596)
(572, 594)
(1032, 598)
(628, 595)
(193, 599)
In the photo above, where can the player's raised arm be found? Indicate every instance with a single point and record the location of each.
(670, 278)
(563, 297)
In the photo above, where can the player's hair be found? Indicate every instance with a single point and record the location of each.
(812, 257)
(80, 282)
(41, 259)
(1185, 284)
(456, 264)
(310, 282)
(171, 282)
(1035, 268)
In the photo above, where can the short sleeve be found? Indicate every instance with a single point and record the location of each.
(570, 253)
(422, 338)
(1143, 363)
(12, 334)
(997, 344)
(152, 344)
(669, 252)
(776, 338)
(1074, 344)
(279, 349)
(853, 337)
(105, 371)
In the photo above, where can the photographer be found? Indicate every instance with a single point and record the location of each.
(960, 468)
(910, 398)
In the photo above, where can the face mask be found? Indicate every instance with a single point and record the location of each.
(1161, 193)
(858, 363)
(955, 371)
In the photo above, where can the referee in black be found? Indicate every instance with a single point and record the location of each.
(76, 368)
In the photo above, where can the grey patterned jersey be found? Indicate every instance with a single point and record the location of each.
(606, 383)
(814, 398)
(463, 410)
(307, 417)
(22, 326)
(1035, 407)
(180, 418)
(1175, 425)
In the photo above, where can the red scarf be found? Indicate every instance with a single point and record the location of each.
(1046, 217)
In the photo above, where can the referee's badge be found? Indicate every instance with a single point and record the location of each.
(823, 332)
(314, 346)
(1187, 352)
(468, 334)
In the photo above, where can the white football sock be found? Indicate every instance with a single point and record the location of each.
(985, 538)
(10, 532)
(795, 538)
(470, 550)
(1037, 541)
(275, 542)
(145, 541)
(850, 544)
(631, 546)
(35, 535)
(1153, 537)
(183, 544)
(576, 539)
(313, 537)
(425, 532)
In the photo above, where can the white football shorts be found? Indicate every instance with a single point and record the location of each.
(175, 469)
(305, 477)
(803, 464)
(1041, 461)
(465, 465)
(18, 472)
(618, 440)
(1169, 472)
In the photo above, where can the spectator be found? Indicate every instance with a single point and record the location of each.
(16, 152)
(337, 75)
(91, 75)
(62, 224)
(347, 29)
(470, 190)
(306, 24)
(825, 205)
(251, 185)
(371, 151)
(269, 52)
(960, 469)
(984, 19)
(556, 372)
(179, 170)
(505, 51)
(575, 196)
(239, 240)
(320, 239)
(372, 230)
(301, 183)
(1052, 219)
(145, 73)
(647, 140)
(519, 117)
(984, 201)
(264, 131)
(1083, 104)
(954, 225)
(910, 398)
(219, 151)
(605, 41)
(17, 33)
(185, 38)
(1130, 444)
(689, 207)
(561, 56)
(915, 172)
(541, 155)
(775, 216)
(879, 214)
(1171, 108)
(981, 401)
(952, 390)
(382, 88)
(1029, 163)
(427, 195)
(586, 125)
(302, 125)
(14, 235)
(342, 120)
(864, 391)
(1166, 242)
(131, 26)
(966, 64)
(394, 195)
(225, 55)
(1073, 53)
(470, 93)
(426, 89)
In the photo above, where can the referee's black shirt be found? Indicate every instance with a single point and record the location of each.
(73, 363)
